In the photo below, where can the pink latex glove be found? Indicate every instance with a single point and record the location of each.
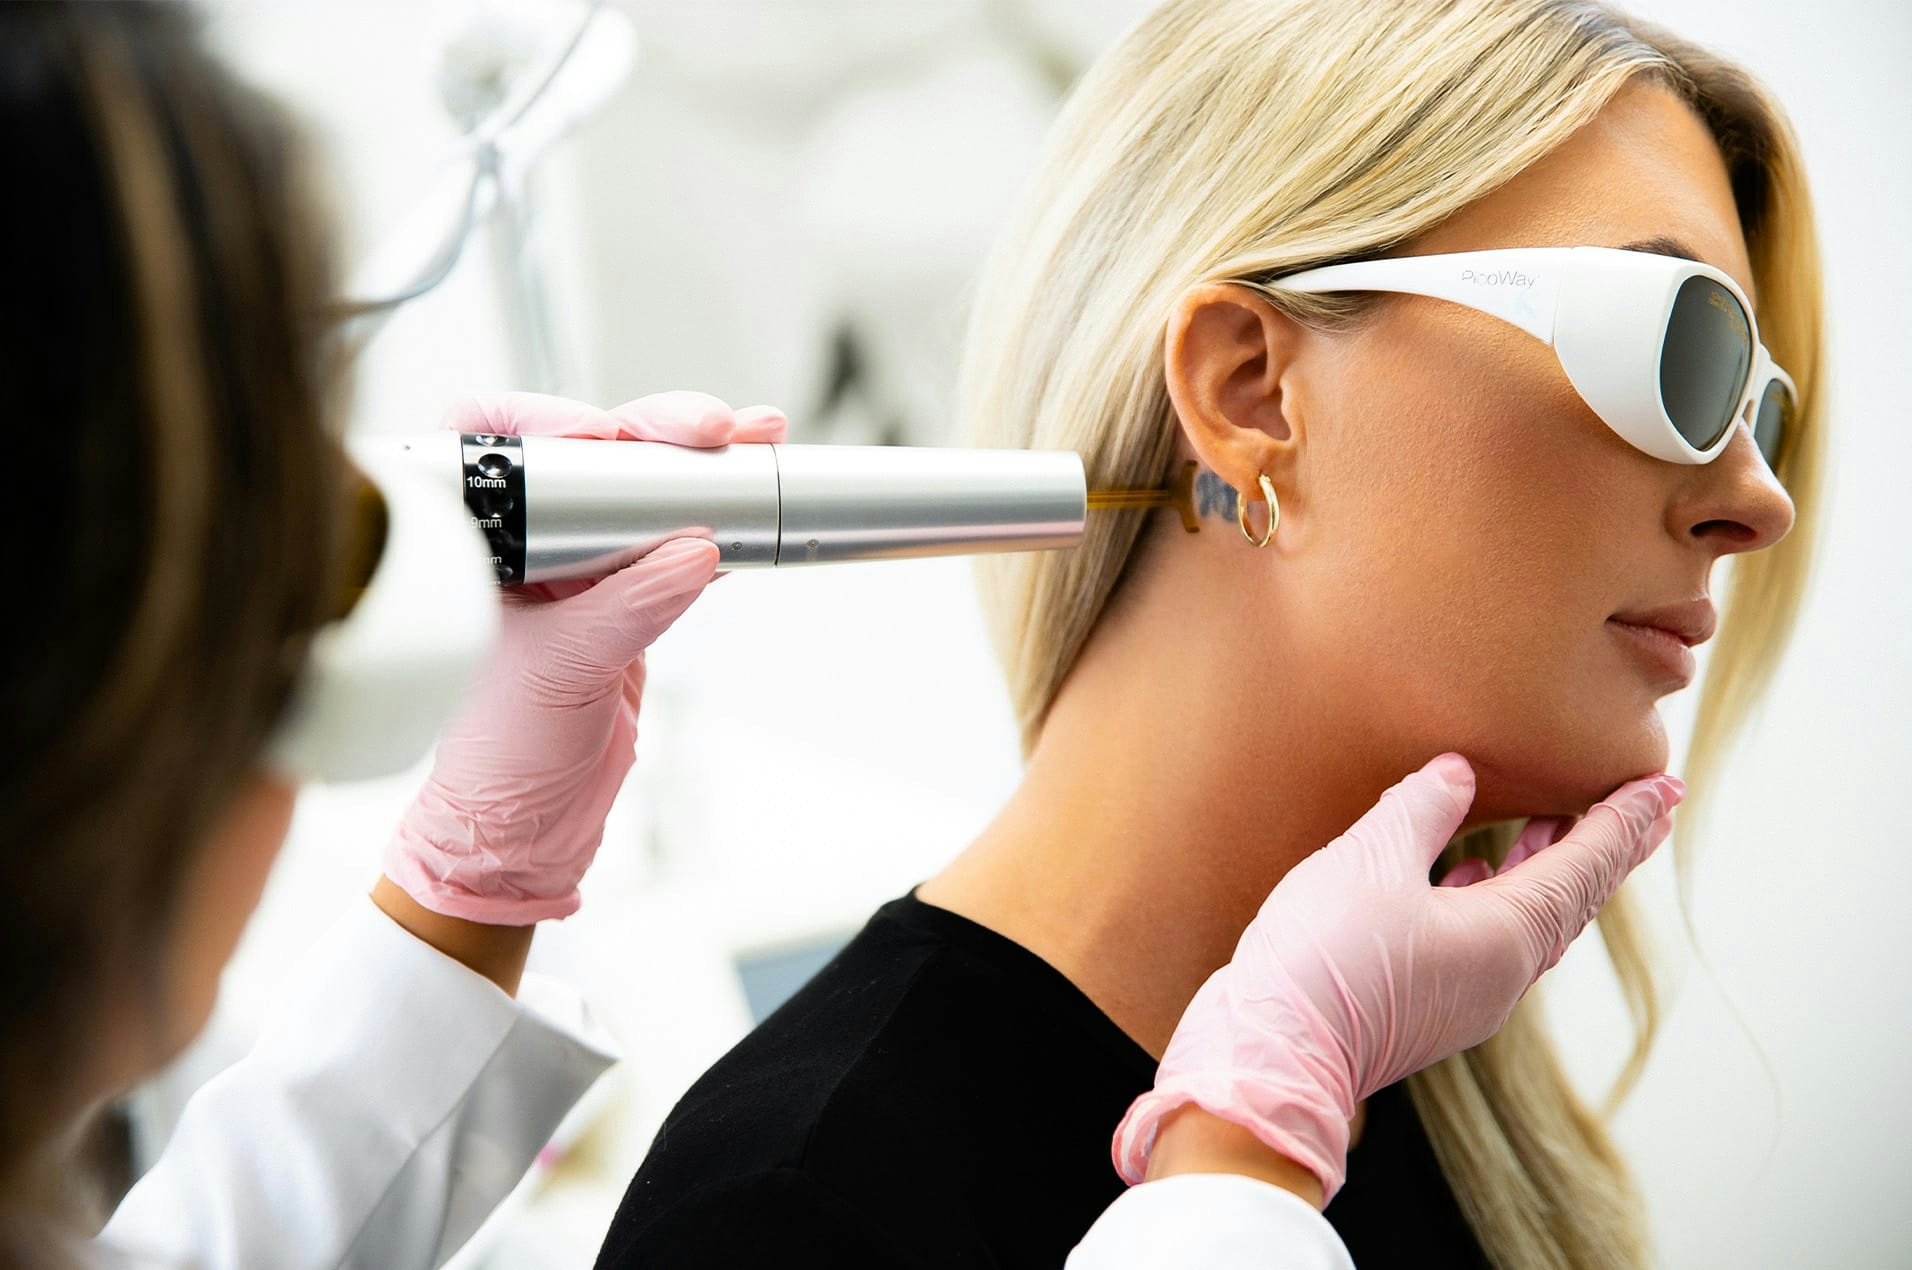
(514, 810)
(1357, 972)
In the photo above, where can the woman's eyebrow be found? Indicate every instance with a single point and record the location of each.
(1663, 246)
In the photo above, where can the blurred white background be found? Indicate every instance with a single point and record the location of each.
(787, 203)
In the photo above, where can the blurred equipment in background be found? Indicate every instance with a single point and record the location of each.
(509, 123)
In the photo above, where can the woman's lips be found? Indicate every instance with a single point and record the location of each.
(1659, 647)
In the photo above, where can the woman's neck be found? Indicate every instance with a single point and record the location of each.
(1145, 837)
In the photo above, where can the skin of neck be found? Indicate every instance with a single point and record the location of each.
(1179, 775)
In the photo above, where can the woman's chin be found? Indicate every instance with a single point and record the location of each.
(1645, 750)
(1567, 775)
(1603, 753)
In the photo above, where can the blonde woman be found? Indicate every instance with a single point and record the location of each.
(1496, 496)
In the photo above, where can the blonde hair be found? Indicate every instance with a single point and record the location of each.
(1235, 140)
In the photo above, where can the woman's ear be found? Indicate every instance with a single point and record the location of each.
(1227, 358)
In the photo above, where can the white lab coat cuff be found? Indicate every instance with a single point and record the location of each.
(1210, 1221)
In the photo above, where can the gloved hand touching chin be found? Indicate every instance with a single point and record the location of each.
(1357, 973)
(514, 809)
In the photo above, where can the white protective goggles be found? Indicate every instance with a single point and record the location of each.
(1663, 349)
(379, 681)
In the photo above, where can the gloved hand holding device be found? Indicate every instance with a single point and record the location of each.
(1357, 972)
(514, 809)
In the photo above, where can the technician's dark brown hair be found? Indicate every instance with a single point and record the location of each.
(170, 501)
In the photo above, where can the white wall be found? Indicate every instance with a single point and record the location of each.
(814, 743)
(1797, 896)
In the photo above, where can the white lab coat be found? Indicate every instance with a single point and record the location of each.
(393, 1099)
(1210, 1221)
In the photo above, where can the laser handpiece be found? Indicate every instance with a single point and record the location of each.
(562, 507)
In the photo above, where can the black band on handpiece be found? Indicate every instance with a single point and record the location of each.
(494, 495)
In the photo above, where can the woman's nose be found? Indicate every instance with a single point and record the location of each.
(1734, 503)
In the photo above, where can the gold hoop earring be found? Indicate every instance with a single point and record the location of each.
(1274, 513)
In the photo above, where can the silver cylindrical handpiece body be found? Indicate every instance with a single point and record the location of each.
(559, 507)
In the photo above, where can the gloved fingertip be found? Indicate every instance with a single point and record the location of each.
(677, 558)
(1452, 776)
(761, 424)
(1417, 815)
(479, 414)
(1452, 770)
(701, 434)
(1637, 803)
(707, 433)
(1657, 832)
(678, 418)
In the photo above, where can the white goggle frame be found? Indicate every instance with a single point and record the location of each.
(1603, 310)
(380, 681)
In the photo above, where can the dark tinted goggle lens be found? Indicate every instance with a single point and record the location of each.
(1704, 360)
(1770, 423)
